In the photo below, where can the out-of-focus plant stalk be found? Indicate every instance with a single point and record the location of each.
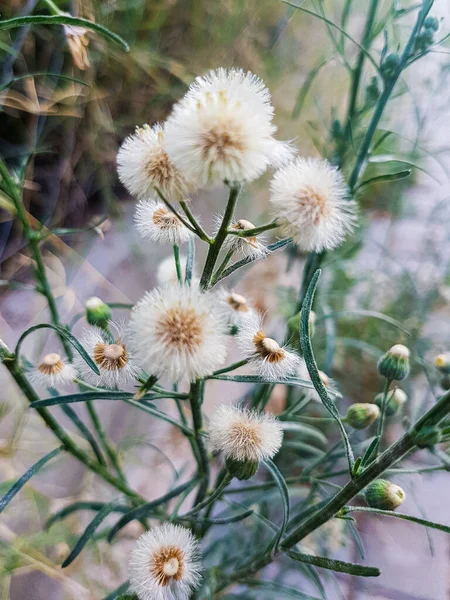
(196, 400)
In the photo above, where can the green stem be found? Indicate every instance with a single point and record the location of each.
(218, 241)
(384, 404)
(196, 398)
(222, 267)
(255, 231)
(195, 224)
(231, 367)
(176, 255)
(53, 9)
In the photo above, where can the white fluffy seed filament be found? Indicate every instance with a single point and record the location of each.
(110, 357)
(164, 219)
(268, 348)
(221, 142)
(245, 439)
(244, 225)
(314, 204)
(181, 328)
(51, 364)
(167, 564)
(237, 302)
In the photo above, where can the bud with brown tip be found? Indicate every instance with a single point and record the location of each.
(384, 494)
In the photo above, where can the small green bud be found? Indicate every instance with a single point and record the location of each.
(389, 65)
(242, 469)
(372, 91)
(427, 437)
(361, 415)
(442, 362)
(395, 400)
(97, 312)
(431, 23)
(384, 495)
(394, 365)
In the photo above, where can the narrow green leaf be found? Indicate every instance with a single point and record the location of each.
(190, 261)
(284, 493)
(118, 594)
(64, 20)
(281, 590)
(62, 332)
(356, 536)
(364, 313)
(142, 511)
(371, 449)
(384, 178)
(71, 508)
(306, 87)
(335, 565)
(306, 431)
(390, 158)
(294, 381)
(357, 466)
(15, 489)
(218, 520)
(398, 515)
(306, 346)
(68, 410)
(89, 532)
(82, 397)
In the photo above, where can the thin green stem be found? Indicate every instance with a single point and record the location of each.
(255, 231)
(195, 224)
(384, 404)
(174, 210)
(231, 367)
(110, 451)
(196, 398)
(221, 268)
(53, 9)
(220, 238)
(176, 255)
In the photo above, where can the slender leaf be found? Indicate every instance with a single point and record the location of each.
(371, 449)
(364, 313)
(294, 381)
(306, 87)
(306, 431)
(218, 520)
(305, 343)
(15, 489)
(142, 511)
(335, 565)
(117, 594)
(64, 20)
(82, 397)
(89, 532)
(71, 508)
(356, 536)
(68, 410)
(388, 158)
(384, 178)
(62, 332)
(284, 493)
(281, 590)
(190, 261)
(397, 515)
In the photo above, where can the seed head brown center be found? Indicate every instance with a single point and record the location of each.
(268, 348)
(167, 564)
(314, 203)
(237, 302)
(181, 328)
(165, 219)
(111, 356)
(51, 364)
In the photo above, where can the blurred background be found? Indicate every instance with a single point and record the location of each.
(394, 269)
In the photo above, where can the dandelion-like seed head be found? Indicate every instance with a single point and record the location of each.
(310, 200)
(250, 246)
(111, 355)
(165, 564)
(143, 165)
(156, 222)
(244, 435)
(222, 129)
(53, 371)
(177, 331)
(233, 307)
(268, 358)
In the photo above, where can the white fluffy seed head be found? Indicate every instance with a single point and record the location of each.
(222, 129)
(177, 331)
(310, 199)
(143, 165)
(155, 222)
(251, 247)
(165, 564)
(52, 371)
(268, 359)
(117, 365)
(233, 307)
(244, 435)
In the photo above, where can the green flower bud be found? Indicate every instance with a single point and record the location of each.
(442, 362)
(427, 437)
(431, 23)
(242, 469)
(394, 365)
(361, 415)
(372, 91)
(97, 312)
(389, 65)
(395, 400)
(384, 495)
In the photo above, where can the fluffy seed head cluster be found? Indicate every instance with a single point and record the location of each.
(154, 221)
(52, 371)
(244, 435)
(223, 130)
(165, 564)
(309, 198)
(112, 357)
(176, 331)
(245, 246)
(143, 164)
(267, 357)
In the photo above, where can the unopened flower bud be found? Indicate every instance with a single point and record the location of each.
(394, 365)
(389, 65)
(431, 23)
(97, 312)
(384, 495)
(427, 437)
(442, 362)
(395, 400)
(361, 415)
(242, 470)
